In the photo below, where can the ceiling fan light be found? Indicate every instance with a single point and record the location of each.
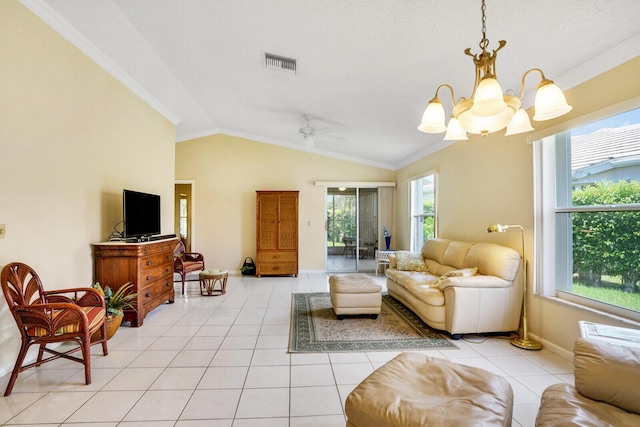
(520, 123)
(550, 102)
(308, 142)
(433, 118)
(488, 99)
(455, 131)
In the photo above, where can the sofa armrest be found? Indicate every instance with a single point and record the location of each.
(477, 281)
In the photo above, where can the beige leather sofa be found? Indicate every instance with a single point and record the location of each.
(490, 300)
(606, 391)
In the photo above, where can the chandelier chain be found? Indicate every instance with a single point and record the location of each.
(484, 43)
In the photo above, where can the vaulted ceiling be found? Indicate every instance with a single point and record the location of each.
(365, 68)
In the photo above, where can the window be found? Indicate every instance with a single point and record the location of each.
(423, 210)
(589, 214)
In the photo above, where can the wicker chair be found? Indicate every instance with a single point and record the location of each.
(47, 317)
(186, 262)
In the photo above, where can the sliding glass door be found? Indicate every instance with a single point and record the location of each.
(351, 229)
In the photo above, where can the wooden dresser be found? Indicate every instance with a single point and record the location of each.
(148, 265)
(277, 233)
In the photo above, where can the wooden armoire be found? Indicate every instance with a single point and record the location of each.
(277, 233)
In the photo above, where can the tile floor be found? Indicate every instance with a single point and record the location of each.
(223, 362)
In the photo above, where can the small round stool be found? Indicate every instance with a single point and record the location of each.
(210, 278)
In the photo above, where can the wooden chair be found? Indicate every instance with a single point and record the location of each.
(186, 262)
(47, 317)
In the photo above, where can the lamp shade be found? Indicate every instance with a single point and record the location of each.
(496, 228)
(455, 131)
(488, 99)
(520, 123)
(485, 124)
(550, 102)
(433, 118)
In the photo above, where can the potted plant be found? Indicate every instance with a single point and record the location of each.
(115, 304)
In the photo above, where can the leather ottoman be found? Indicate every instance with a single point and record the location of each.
(355, 294)
(415, 390)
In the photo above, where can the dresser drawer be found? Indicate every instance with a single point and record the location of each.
(277, 257)
(278, 269)
(156, 269)
(156, 290)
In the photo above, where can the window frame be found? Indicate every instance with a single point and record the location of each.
(546, 212)
(416, 219)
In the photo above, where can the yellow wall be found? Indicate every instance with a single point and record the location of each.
(227, 172)
(71, 138)
(489, 180)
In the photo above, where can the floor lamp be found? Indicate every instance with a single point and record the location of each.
(524, 341)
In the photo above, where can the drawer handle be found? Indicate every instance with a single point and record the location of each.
(147, 295)
(167, 284)
(148, 262)
(148, 278)
(276, 256)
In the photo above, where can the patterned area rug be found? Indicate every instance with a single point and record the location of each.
(315, 328)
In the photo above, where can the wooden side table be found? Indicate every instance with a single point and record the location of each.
(210, 278)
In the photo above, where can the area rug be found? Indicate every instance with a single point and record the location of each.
(315, 328)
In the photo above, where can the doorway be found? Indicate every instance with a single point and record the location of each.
(183, 213)
(352, 229)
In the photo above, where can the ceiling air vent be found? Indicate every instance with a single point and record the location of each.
(277, 62)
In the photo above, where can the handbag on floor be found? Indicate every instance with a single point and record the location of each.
(249, 267)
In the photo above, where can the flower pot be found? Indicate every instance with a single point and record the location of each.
(113, 323)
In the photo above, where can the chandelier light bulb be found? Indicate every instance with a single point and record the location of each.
(520, 123)
(433, 118)
(455, 131)
(488, 100)
(550, 102)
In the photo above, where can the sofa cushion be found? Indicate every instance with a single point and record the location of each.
(561, 405)
(434, 249)
(454, 273)
(409, 279)
(410, 261)
(494, 260)
(608, 373)
(456, 253)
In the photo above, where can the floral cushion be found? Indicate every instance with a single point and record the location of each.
(410, 261)
(455, 273)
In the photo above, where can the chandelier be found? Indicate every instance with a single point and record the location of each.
(490, 110)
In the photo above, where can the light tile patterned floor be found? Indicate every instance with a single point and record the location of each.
(223, 362)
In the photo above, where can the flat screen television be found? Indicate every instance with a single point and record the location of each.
(141, 214)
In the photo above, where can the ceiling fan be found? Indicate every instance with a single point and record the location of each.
(308, 132)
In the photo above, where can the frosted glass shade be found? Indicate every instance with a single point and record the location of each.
(455, 131)
(488, 99)
(485, 124)
(433, 118)
(550, 102)
(520, 123)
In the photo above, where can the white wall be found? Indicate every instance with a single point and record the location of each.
(228, 170)
(71, 138)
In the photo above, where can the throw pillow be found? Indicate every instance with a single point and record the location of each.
(455, 273)
(410, 261)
